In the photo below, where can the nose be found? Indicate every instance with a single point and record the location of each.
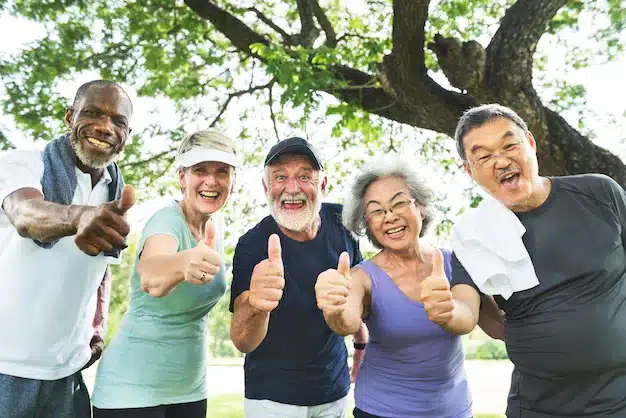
(389, 216)
(104, 126)
(210, 179)
(291, 185)
(501, 161)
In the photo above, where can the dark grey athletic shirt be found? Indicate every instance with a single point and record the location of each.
(567, 336)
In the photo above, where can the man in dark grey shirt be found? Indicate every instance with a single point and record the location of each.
(566, 336)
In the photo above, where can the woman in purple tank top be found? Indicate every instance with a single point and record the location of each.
(412, 367)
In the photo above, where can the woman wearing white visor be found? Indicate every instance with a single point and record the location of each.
(155, 367)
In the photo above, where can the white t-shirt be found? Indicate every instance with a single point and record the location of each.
(47, 296)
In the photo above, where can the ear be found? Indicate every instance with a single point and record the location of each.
(264, 185)
(323, 185)
(467, 168)
(69, 116)
(182, 182)
(234, 181)
(531, 141)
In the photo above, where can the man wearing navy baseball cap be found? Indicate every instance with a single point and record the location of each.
(295, 365)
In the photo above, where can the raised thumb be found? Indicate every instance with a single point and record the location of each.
(343, 267)
(273, 249)
(127, 200)
(209, 234)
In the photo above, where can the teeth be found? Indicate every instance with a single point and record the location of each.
(209, 194)
(292, 201)
(393, 231)
(98, 143)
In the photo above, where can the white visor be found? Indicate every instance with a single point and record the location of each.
(198, 155)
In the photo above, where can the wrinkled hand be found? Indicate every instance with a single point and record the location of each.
(268, 278)
(203, 262)
(435, 293)
(102, 228)
(333, 287)
(97, 346)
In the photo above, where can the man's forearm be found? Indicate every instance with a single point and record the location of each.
(248, 327)
(362, 335)
(44, 221)
(102, 306)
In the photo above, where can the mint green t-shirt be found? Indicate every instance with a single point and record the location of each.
(159, 355)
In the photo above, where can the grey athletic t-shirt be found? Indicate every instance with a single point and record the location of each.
(567, 336)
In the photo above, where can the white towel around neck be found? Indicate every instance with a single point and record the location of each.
(487, 241)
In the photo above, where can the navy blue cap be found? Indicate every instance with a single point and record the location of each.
(295, 145)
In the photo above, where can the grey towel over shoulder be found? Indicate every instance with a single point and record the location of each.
(59, 179)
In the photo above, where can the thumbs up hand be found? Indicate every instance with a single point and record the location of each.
(333, 287)
(203, 262)
(268, 278)
(103, 228)
(435, 293)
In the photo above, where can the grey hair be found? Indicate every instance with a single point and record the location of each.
(354, 217)
(207, 138)
(477, 116)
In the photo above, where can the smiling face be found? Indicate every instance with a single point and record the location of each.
(293, 189)
(99, 125)
(206, 186)
(502, 159)
(396, 229)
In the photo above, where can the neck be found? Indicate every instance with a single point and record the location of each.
(95, 173)
(404, 258)
(195, 220)
(541, 188)
(307, 234)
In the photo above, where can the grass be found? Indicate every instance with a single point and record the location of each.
(231, 406)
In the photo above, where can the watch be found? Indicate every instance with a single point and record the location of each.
(359, 346)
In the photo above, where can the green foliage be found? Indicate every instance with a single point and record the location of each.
(219, 330)
(487, 350)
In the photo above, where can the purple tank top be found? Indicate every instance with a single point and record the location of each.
(412, 367)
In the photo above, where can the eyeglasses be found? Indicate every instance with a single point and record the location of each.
(488, 159)
(397, 208)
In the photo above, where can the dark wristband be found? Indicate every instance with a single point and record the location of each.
(359, 346)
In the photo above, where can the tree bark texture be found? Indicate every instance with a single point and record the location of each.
(402, 90)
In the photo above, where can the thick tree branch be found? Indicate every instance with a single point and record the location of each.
(309, 31)
(409, 18)
(327, 27)
(287, 38)
(510, 52)
(241, 36)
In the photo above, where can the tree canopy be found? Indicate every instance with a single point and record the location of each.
(414, 62)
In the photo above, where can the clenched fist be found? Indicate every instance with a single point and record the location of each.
(268, 278)
(333, 287)
(435, 293)
(102, 228)
(203, 262)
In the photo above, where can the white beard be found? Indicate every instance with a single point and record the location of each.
(295, 222)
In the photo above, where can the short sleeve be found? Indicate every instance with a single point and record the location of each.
(20, 169)
(460, 275)
(166, 221)
(618, 203)
(251, 249)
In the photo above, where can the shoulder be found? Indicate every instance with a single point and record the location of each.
(331, 213)
(168, 218)
(596, 186)
(255, 239)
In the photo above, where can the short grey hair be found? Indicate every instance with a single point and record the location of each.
(477, 116)
(354, 217)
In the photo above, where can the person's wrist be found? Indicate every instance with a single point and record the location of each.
(359, 346)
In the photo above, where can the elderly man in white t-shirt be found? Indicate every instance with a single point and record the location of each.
(61, 224)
